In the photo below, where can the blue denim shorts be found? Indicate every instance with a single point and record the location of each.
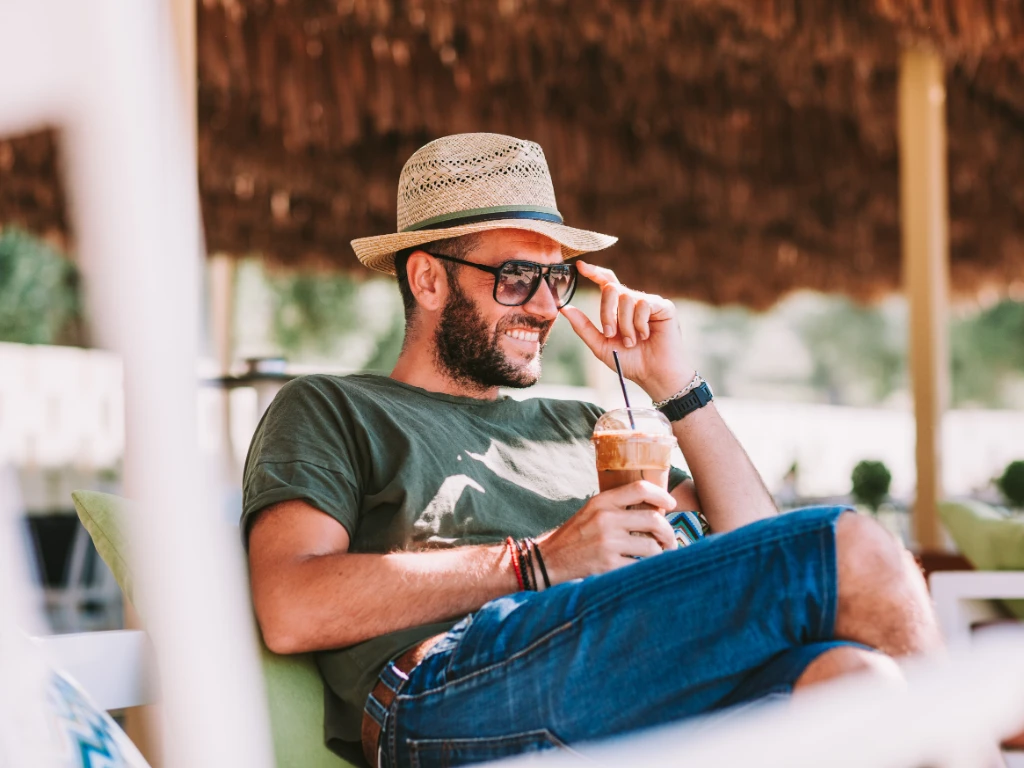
(728, 620)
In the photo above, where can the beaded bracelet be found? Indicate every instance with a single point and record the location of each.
(514, 554)
(526, 563)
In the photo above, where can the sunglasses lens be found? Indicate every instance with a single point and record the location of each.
(562, 279)
(516, 282)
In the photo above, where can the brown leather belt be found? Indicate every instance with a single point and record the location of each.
(405, 664)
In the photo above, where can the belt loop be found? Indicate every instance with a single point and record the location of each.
(377, 711)
(393, 677)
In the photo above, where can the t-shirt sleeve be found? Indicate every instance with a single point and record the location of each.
(676, 476)
(304, 449)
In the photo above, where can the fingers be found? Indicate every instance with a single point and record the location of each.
(640, 545)
(585, 329)
(610, 309)
(627, 327)
(600, 275)
(600, 537)
(651, 523)
(623, 311)
(640, 492)
(642, 319)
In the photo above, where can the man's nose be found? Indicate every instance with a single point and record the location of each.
(542, 303)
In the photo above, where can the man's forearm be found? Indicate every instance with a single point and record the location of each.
(730, 489)
(336, 600)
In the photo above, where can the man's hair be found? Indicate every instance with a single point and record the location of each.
(456, 247)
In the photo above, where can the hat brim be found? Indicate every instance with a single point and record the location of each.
(378, 253)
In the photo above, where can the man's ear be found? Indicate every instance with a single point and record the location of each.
(428, 280)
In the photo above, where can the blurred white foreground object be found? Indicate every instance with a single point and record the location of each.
(24, 735)
(46, 720)
(104, 72)
(951, 714)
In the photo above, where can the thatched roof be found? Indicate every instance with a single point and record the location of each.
(740, 149)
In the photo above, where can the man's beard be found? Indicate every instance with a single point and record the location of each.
(468, 354)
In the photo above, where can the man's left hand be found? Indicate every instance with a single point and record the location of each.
(641, 327)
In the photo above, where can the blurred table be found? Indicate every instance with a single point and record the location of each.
(266, 384)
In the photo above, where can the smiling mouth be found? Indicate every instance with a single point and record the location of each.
(520, 334)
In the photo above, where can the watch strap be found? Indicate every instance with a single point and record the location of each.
(693, 400)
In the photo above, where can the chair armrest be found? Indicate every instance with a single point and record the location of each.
(112, 667)
(960, 598)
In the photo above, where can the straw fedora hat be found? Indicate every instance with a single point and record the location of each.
(471, 182)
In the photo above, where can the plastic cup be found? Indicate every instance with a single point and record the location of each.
(633, 449)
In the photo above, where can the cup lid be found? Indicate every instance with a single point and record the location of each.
(646, 420)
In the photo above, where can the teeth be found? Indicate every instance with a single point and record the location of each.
(523, 335)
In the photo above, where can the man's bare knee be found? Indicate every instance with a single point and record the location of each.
(866, 551)
(848, 660)
(883, 600)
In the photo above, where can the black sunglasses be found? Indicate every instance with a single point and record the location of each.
(515, 282)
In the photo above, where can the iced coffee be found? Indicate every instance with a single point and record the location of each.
(633, 444)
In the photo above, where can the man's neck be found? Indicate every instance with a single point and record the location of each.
(418, 367)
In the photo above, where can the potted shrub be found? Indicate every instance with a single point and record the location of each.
(1011, 484)
(871, 481)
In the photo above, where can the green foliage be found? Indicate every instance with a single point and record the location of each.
(312, 312)
(870, 483)
(389, 346)
(564, 363)
(987, 351)
(726, 339)
(1012, 483)
(858, 353)
(39, 300)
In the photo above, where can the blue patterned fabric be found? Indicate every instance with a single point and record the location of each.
(688, 526)
(88, 736)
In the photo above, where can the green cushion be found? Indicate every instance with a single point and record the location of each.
(294, 689)
(991, 540)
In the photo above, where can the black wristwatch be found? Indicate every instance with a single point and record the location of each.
(696, 398)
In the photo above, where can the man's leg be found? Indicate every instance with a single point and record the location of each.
(846, 660)
(718, 623)
(883, 600)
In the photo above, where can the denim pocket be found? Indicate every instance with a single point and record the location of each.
(447, 753)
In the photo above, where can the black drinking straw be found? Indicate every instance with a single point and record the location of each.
(622, 383)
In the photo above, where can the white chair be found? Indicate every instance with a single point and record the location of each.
(965, 598)
(112, 667)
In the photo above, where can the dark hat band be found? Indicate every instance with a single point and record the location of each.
(497, 213)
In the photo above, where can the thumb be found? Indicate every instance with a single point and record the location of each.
(585, 329)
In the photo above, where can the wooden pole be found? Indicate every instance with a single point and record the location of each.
(925, 243)
(220, 273)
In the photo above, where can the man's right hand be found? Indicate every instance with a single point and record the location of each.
(598, 538)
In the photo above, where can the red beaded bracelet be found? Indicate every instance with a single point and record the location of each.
(511, 544)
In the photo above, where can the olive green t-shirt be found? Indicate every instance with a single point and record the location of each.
(402, 468)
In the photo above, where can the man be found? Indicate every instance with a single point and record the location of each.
(378, 509)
